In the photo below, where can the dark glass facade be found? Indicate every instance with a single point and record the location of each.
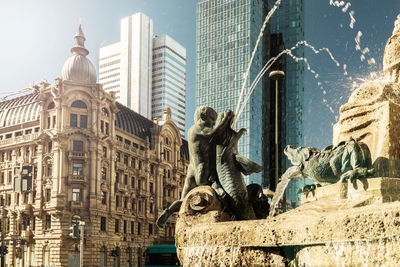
(288, 21)
(227, 32)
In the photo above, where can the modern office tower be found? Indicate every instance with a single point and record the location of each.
(125, 67)
(288, 20)
(225, 38)
(169, 79)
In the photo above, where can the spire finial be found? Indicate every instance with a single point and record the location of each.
(79, 47)
(397, 26)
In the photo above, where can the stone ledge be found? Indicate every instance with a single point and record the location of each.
(362, 221)
(369, 191)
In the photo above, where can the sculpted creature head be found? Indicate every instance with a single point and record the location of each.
(205, 116)
(299, 155)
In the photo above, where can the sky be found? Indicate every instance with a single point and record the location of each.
(36, 37)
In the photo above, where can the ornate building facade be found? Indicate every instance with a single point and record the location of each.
(70, 153)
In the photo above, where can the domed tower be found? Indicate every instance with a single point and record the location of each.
(78, 68)
(391, 57)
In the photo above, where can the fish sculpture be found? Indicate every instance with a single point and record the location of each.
(230, 166)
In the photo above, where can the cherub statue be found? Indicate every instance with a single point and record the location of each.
(202, 139)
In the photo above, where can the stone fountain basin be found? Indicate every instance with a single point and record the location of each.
(349, 225)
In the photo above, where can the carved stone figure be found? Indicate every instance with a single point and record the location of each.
(346, 161)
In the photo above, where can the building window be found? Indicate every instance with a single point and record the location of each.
(118, 156)
(107, 128)
(132, 227)
(83, 121)
(77, 168)
(117, 201)
(76, 194)
(50, 146)
(125, 227)
(102, 126)
(78, 104)
(104, 152)
(103, 173)
(78, 146)
(2, 178)
(139, 228)
(126, 159)
(151, 169)
(103, 198)
(133, 182)
(116, 225)
(151, 207)
(150, 229)
(48, 222)
(117, 177)
(140, 165)
(125, 179)
(103, 224)
(49, 169)
(73, 120)
(125, 202)
(151, 187)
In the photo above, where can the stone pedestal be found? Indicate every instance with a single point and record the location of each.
(361, 228)
(372, 116)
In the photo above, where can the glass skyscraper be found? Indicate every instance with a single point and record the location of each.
(169, 80)
(288, 22)
(226, 34)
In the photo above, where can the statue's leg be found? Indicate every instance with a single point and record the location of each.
(176, 205)
(202, 174)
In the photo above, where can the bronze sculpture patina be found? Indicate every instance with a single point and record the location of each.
(214, 161)
(230, 165)
(346, 161)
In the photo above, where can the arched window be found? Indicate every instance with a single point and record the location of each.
(51, 105)
(78, 104)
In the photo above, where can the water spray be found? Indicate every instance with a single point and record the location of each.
(260, 35)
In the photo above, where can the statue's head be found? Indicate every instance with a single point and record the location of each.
(298, 155)
(205, 116)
